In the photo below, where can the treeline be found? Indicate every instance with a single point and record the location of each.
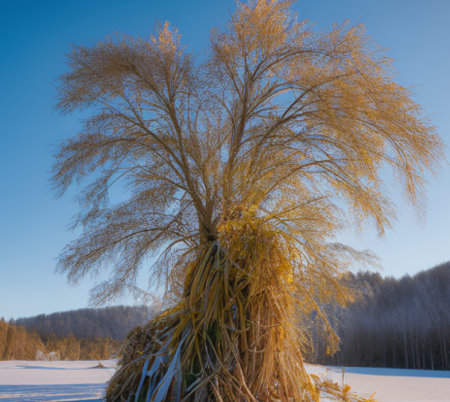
(395, 323)
(109, 322)
(16, 343)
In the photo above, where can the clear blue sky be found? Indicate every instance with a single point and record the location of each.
(35, 35)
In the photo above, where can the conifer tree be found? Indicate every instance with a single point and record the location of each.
(243, 166)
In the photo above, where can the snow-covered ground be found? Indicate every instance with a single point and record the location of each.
(53, 381)
(394, 385)
(81, 381)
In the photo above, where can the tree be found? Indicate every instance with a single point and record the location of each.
(400, 323)
(8, 352)
(3, 335)
(242, 166)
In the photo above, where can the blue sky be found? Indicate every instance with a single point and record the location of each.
(34, 36)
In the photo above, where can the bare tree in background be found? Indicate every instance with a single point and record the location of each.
(397, 323)
(242, 167)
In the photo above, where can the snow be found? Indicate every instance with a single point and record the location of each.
(54, 380)
(393, 385)
(81, 381)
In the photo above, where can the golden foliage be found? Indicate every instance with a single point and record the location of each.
(242, 169)
(18, 343)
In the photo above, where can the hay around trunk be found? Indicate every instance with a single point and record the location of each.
(234, 335)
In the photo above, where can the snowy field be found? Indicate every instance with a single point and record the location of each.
(53, 381)
(394, 385)
(81, 381)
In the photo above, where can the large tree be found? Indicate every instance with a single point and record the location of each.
(242, 165)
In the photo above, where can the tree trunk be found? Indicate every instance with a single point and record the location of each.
(406, 349)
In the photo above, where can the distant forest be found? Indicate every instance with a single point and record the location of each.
(398, 323)
(85, 334)
(395, 323)
(16, 343)
(113, 322)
